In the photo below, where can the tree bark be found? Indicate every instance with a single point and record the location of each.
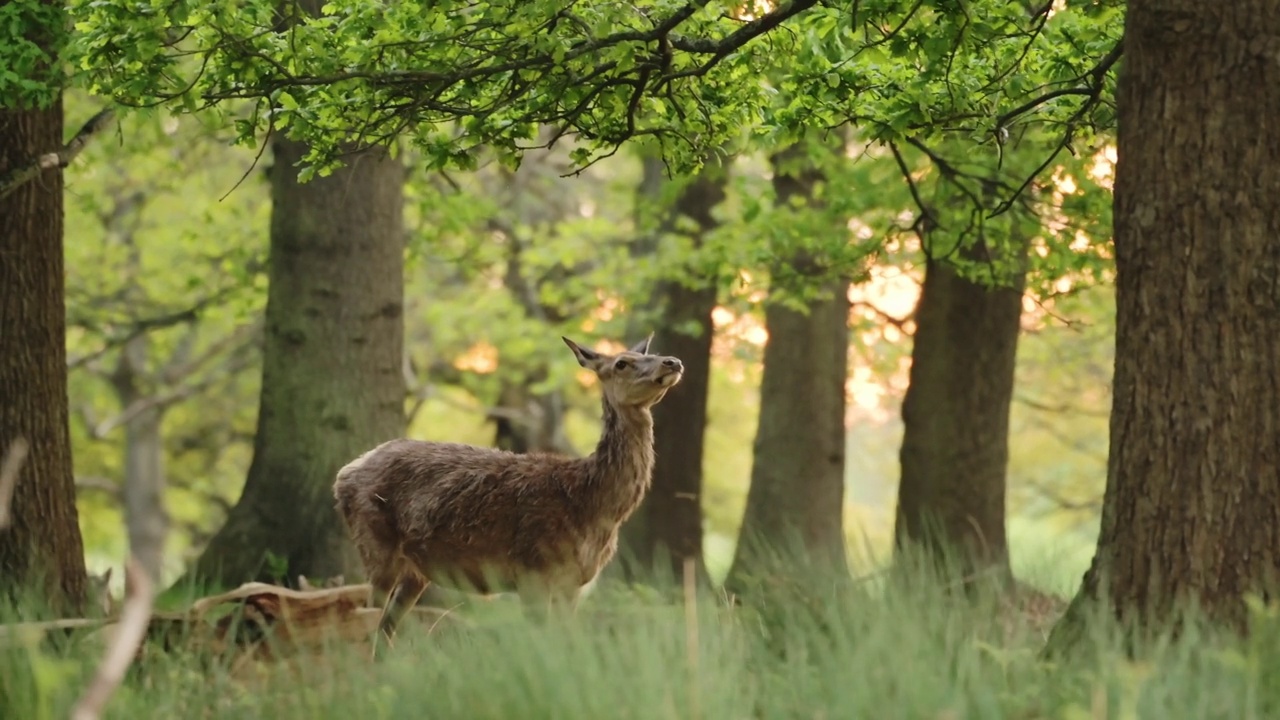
(332, 381)
(42, 550)
(1192, 503)
(666, 530)
(955, 445)
(796, 500)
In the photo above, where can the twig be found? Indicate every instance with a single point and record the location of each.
(1065, 503)
(9, 476)
(926, 221)
(19, 176)
(900, 323)
(179, 394)
(124, 644)
(691, 635)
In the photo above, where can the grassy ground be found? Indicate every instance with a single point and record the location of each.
(878, 650)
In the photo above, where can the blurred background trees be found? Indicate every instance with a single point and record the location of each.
(880, 240)
(498, 263)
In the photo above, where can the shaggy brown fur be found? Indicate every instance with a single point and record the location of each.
(485, 520)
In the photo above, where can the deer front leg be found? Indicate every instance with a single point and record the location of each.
(542, 598)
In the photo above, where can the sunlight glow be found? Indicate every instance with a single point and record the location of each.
(1104, 167)
(864, 390)
(481, 358)
(609, 307)
(860, 230)
(752, 9)
(1080, 242)
(889, 289)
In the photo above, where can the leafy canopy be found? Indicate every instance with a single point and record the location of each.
(458, 75)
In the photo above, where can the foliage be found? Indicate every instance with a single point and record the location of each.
(160, 249)
(962, 115)
(464, 306)
(31, 41)
(689, 74)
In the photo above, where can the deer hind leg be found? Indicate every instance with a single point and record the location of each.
(388, 573)
(408, 588)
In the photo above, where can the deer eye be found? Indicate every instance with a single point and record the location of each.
(620, 365)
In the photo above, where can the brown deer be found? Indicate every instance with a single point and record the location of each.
(483, 520)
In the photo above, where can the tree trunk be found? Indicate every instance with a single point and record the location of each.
(526, 422)
(796, 500)
(144, 511)
(42, 550)
(955, 445)
(332, 382)
(1192, 503)
(666, 530)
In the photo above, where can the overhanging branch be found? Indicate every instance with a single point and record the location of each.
(24, 173)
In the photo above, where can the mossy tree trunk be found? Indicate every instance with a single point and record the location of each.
(796, 499)
(332, 380)
(1191, 510)
(955, 446)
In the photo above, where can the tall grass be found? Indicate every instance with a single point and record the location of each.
(896, 648)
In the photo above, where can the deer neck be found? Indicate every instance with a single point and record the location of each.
(622, 465)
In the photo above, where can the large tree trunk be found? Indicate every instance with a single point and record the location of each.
(332, 381)
(955, 445)
(796, 499)
(1192, 503)
(42, 550)
(666, 530)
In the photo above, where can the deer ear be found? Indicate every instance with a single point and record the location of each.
(585, 357)
(642, 347)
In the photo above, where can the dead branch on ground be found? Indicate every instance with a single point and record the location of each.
(123, 648)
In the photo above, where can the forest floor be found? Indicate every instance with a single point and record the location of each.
(868, 649)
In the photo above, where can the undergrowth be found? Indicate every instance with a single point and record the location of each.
(896, 648)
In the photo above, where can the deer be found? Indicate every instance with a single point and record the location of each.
(484, 521)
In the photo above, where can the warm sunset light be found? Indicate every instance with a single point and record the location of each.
(481, 358)
(890, 290)
(752, 9)
(865, 393)
(1104, 167)
(608, 308)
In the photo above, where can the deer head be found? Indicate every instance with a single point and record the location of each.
(632, 378)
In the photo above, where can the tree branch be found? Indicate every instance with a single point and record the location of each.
(143, 325)
(164, 400)
(24, 173)
(99, 484)
(9, 469)
(561, 83)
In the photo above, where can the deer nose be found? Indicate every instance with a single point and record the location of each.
(673, 363)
